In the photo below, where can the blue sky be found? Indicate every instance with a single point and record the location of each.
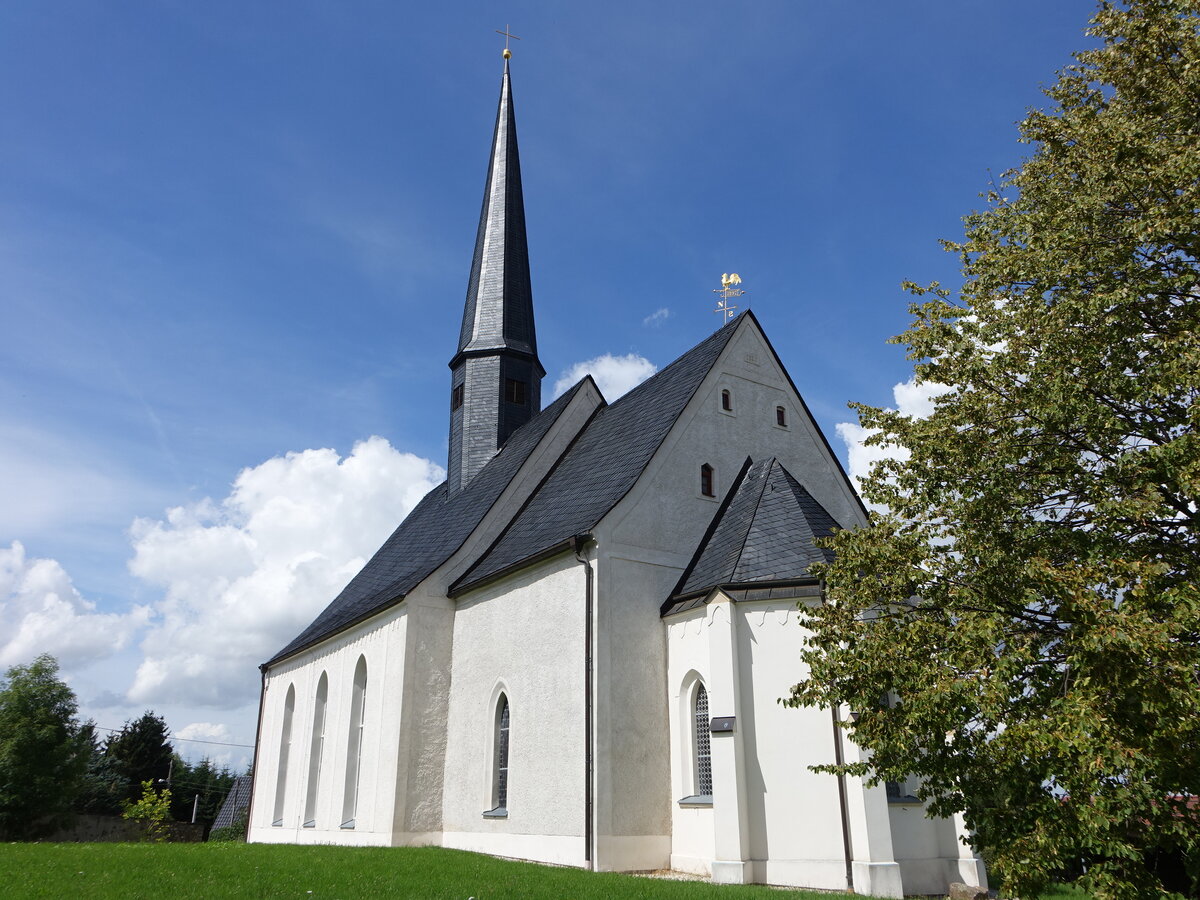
(230, 232)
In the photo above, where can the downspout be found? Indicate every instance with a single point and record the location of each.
(262, 696)
(578, 543)
(845, 805)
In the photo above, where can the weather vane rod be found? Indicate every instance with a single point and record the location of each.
(507, 52)
(726, 292)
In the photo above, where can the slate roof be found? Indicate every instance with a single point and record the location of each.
(602, 464)
(428, 536)
(237, 800)
(499, 308)
(764, 531)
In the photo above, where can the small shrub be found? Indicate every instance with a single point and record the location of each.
(151, 812)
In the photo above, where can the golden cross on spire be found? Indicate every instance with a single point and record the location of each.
(727, 291)
(507, 52)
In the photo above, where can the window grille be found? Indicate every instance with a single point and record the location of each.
(502, 756)
(703, 745)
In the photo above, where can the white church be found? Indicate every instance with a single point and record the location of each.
(572, 650)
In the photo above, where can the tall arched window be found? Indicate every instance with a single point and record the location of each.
(285, 746)
(706, 481)
(702, 742)
(500, 762)
(316, 751)
(354, 743)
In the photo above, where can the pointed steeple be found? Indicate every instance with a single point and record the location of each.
(496, 375)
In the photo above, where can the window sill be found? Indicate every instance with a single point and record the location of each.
(907, 800)
(311, 823)
(697, 801)
(348, 825)
(278, 823)
(498, 813)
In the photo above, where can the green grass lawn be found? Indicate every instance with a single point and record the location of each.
(176, 871)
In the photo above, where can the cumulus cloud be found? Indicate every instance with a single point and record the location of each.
(244, 575)
(203, 731)
(657, 317)
(614, 375)
(42, 612)
(913, 400)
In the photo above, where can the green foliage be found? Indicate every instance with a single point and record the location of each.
(43, 753)
(141, 751)
(1033, 595)
(104, 786)
(234, 833)
(204, 780)
(152, 811)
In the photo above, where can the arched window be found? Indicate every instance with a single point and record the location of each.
(726, 400)
(354, 743)
(706, 481)
(285, 746)
(702, 742)
(500, 761)
(316, 752)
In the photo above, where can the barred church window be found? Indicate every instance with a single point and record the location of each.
(514, 391)
(781, 417)
(354, 743)
(285, 746)
(706, 481)
(499, 808)
(456, 397)
(316, 751)
(703, 743)
(726, 401)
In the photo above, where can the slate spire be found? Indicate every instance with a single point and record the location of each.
(496, 376)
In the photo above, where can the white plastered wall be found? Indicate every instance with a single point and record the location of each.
(643, 546)
(381, 641)
(523, 635)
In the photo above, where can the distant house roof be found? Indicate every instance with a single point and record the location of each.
(763, 533)
(601, 465)
(237, 800)
(429, 536)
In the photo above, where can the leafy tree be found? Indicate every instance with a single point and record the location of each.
(141, 751)
(152, 811)
(1032, 596)
(43, 753)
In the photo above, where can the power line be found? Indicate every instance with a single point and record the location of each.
(185, 740)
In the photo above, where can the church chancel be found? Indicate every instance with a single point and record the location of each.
(571, 651)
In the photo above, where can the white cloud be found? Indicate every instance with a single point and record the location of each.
(245, 575)
(42, 612)
(913, 400)
(615, 375)
(657, 317)
(203, 731)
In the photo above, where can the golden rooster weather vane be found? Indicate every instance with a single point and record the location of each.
(727, 291)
